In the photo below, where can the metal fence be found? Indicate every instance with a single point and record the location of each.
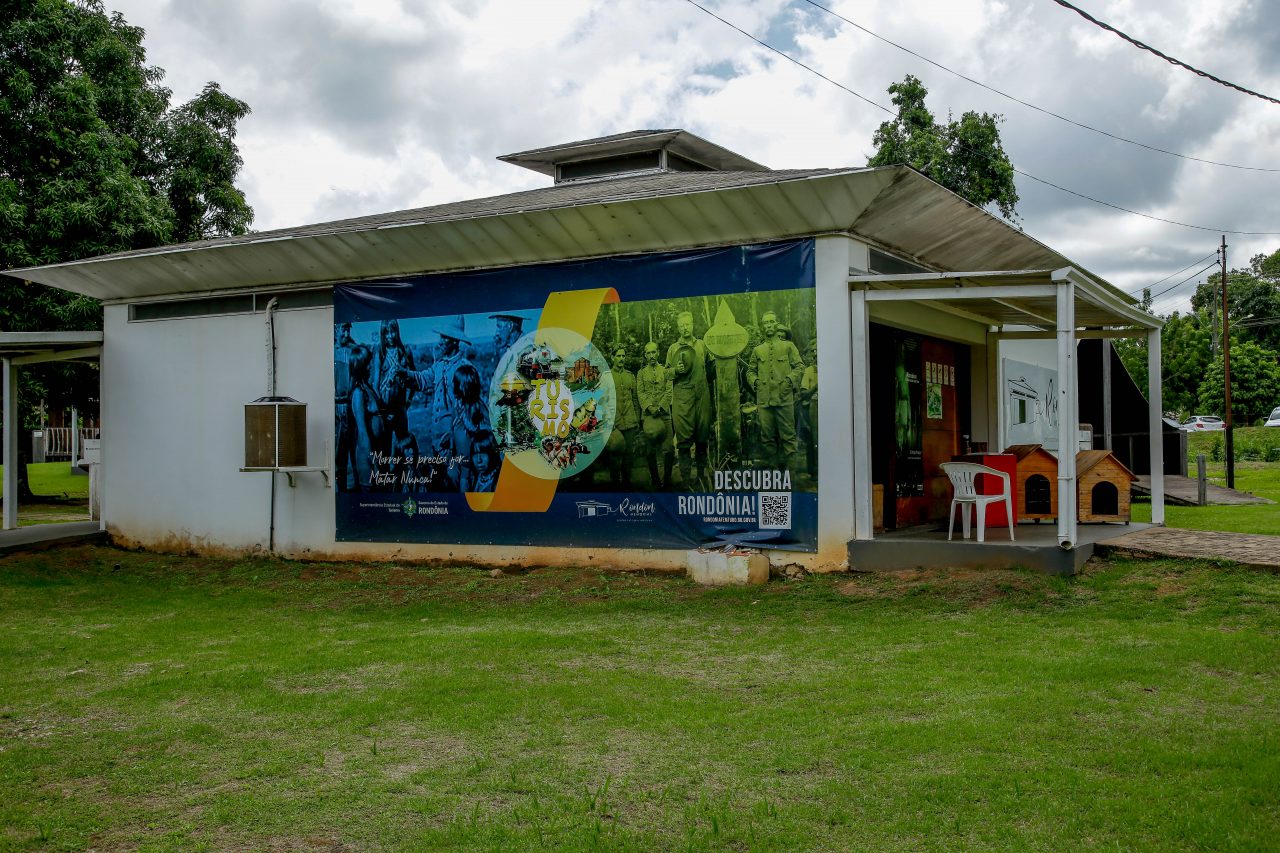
(57, 441)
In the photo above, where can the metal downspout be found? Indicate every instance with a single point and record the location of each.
(271, 392)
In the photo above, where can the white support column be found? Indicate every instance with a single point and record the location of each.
(1106, 394)
(96, 486)
(995, 436)
(11, 432)
(1068, 414)
(75, 437)
(862, 491)
(1155, 421)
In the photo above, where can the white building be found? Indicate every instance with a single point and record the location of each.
(895, 258)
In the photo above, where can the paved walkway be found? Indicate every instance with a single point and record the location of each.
(1250, 549)
(1184, 491)
(39, 536)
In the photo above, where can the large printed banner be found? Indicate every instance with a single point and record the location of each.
(656, 401)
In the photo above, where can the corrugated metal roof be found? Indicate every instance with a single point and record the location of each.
(544, 198)
(892, 206)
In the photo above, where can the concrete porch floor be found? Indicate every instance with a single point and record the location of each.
(1036, 547)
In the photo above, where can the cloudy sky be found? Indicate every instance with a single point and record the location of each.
(380, 105)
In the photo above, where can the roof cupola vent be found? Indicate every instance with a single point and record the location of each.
(637, 152)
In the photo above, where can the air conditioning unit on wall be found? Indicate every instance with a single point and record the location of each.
(275, 433)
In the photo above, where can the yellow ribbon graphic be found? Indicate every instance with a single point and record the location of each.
(574, 311)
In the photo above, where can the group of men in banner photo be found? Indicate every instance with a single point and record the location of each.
(694, 391)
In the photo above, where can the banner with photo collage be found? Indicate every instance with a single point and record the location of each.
(649, 401)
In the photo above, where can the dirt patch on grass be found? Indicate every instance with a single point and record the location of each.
(1171, 586)
(336, 584)
(972, 587)
(306, 844)
(342, 585)
(341, 681)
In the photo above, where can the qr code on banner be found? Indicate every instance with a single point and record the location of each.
(775, 510)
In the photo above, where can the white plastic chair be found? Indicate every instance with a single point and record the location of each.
(964, 476)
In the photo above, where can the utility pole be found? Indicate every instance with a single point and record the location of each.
(1226, 372)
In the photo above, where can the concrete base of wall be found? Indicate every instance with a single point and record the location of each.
(490, 556)
(717, 568)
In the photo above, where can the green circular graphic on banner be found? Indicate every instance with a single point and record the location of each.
(553, 412)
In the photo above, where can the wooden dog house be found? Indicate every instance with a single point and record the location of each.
(1037, 479)
(1102, 486)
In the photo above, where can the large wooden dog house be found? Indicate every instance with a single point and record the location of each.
(1037, 482)
(1102, 490)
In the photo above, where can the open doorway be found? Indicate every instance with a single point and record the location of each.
(920, 413)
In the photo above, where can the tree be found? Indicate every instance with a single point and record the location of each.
(93, 160)
(1184, 357)
(965, 156)
(1255, 383)
(1184, 360)
(1253, 294)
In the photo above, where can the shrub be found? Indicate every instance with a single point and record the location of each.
(1252, 444)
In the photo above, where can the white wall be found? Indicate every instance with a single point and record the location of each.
(173, 394)
(833, 258)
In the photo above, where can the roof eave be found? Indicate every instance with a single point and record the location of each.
(765, 210)
(891, 206)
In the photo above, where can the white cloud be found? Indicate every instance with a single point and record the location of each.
(377, 106)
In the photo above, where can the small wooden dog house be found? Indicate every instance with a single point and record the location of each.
(1102, 486)
(1037, 482)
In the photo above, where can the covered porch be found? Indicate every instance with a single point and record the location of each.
(1058, 306)
(18, 350)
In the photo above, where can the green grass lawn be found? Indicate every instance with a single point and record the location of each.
(1259, 478)
(69, 493)
(163, 703)
(54, 479)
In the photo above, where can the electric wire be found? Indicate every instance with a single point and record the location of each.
(1174, 287)
(1018, 100)
(883, 108)
(1137, 213)
(1184, 269)
(1254, 322)
(1133, 41)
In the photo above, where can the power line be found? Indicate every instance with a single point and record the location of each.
(789, 57)
(1174, 287)
(1184, 269)
(1018, 100)
(883, 108)
(1144, 215)
(1133, 41)
(1255, 322)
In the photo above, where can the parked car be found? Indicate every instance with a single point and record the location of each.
(1203, 423)
(1274, 420)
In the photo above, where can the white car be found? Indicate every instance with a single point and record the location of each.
(1203, 423)
(1274, 420)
